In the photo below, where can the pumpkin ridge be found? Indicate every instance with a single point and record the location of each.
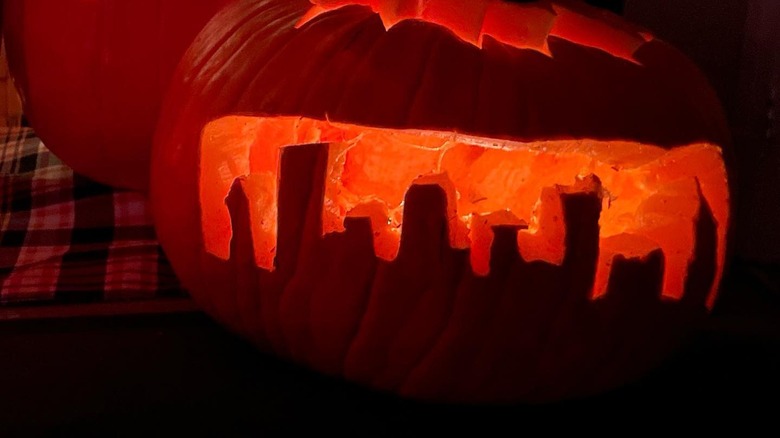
(258, 13)
(407, 348)
(348, 49)
(245, 99)
(335, 321)
(423, 77)
(464, 286)
(296, 294)
(642, 296)
(585, 241)
(302, 221)
(353, 344)
(354, 74)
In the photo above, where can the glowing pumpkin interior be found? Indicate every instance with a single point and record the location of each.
(523, 26)
(652, 197)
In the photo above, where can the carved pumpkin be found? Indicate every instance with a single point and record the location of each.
(452, 200)
(92, 74)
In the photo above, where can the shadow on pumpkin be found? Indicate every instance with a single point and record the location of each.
(424, 325)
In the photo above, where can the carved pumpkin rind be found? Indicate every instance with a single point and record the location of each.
(423, 324)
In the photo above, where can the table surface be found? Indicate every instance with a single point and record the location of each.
(178, 372)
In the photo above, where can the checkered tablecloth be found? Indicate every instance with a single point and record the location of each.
(65, 238)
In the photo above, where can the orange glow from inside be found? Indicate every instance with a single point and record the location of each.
(651, 197)
(524, 26)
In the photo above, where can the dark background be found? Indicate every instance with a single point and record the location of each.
(182, 374)
(612, 5)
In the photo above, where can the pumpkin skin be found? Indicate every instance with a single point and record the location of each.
(92, 75)
(288, 127)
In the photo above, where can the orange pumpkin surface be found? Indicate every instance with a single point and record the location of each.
(92, 75)
(451, 200)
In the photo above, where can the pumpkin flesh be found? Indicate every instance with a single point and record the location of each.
(651, 196)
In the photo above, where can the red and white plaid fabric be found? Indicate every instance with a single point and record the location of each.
(65, 238)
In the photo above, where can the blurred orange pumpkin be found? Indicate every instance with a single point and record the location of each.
(92, 74)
